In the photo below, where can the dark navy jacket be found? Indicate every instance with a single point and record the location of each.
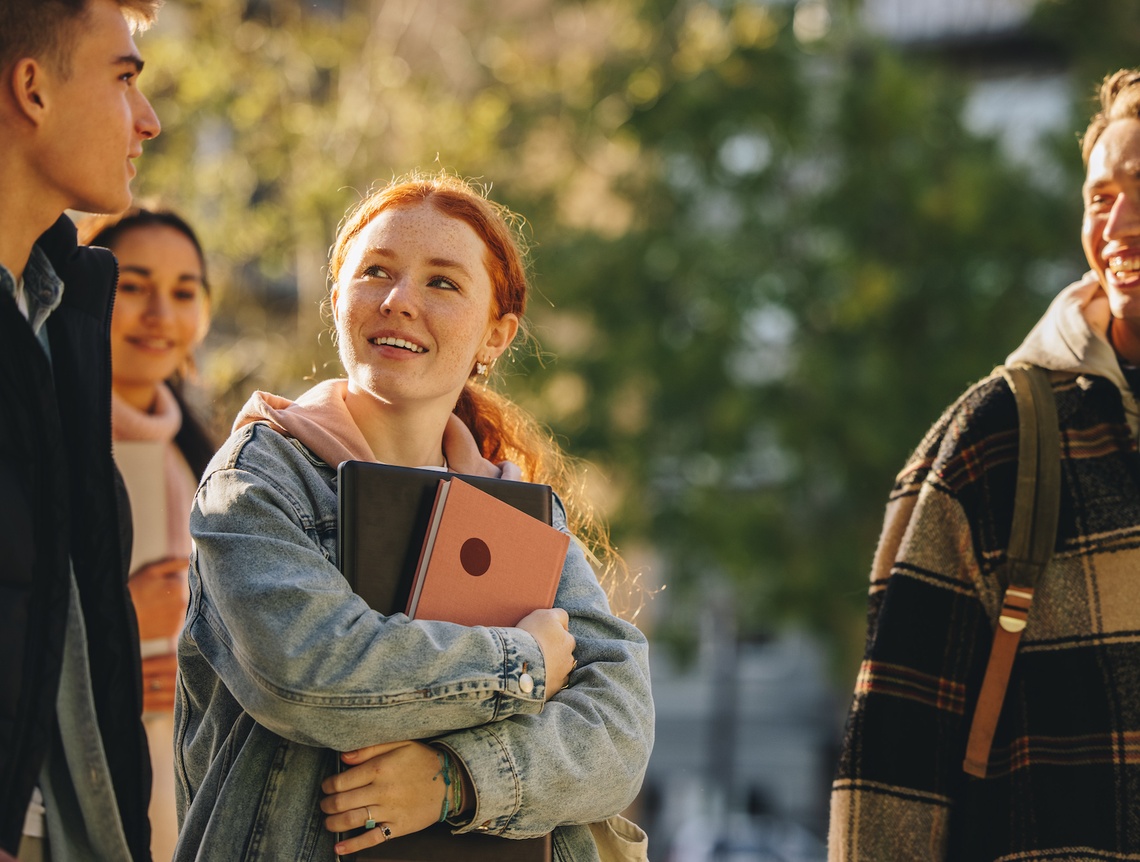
(61, 498)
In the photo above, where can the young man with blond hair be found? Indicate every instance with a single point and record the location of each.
(74, 773)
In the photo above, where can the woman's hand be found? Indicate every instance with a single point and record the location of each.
(551, 628)
(400, 785)
(160, 595)
(159, 674)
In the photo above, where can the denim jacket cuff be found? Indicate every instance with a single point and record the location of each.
(497, 784)
(524, 673)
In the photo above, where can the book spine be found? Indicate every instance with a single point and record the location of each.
(345, 540)
(426, 547)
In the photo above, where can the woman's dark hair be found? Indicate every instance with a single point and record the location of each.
(194, 438)
(104, 230)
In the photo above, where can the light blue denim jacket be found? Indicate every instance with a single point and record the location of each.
(281, 665)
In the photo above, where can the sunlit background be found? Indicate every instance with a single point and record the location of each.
(771, 242)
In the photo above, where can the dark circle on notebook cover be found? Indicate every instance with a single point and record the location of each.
(475, 557)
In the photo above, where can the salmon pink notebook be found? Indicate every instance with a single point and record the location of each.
(484, 563)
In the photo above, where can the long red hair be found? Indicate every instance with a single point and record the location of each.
(503, 430)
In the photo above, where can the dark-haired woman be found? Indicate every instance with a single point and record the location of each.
(161, 315)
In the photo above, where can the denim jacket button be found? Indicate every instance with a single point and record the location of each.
(526, 683)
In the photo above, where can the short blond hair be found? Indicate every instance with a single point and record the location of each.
(1119, 100)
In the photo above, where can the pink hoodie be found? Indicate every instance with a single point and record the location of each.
(320, 419)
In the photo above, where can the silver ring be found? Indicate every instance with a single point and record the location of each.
(386, 830)
(370, 823)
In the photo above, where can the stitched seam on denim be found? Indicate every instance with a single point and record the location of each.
(316, 830)
(265, 803)
(499, 702)
(506, 703)
(475, 690)
(515, 780)
(305, 521)
(306, 452)
(241, 461)
(235, 451)
(561, 846)
(180, 730)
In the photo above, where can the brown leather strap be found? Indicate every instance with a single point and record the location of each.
(1014, 612)
(1032, 537)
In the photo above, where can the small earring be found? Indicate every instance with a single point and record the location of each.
(481, 369)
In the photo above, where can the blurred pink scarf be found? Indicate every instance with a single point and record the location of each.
(160, 425)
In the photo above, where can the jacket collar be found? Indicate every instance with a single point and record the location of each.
(95, 269)
(1072, 337)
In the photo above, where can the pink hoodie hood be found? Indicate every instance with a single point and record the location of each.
(321, 420)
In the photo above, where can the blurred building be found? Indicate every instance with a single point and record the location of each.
(746, 743)
(942, 21)
(1020, 89)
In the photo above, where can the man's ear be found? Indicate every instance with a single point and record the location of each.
(27, 83)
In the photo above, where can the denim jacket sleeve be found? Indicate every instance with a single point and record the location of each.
(299, 651)
(583, 758)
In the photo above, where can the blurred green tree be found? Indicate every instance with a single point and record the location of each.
(767, 252)
(825, 258)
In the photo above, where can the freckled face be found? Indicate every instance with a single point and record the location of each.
(414, 308)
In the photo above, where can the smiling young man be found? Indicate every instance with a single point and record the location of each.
(74, 776)
(1111, 229)
(1062, 781)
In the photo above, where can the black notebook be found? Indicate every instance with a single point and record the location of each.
(383, 513)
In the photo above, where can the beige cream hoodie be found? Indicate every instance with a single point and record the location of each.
(1072, 336)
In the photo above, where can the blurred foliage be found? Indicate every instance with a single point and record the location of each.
(1096, 37)
(766, 253)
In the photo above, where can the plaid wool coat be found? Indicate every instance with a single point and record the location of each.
(1064, 772)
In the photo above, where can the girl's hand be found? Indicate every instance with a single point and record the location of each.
(401, 785)
(551, 628)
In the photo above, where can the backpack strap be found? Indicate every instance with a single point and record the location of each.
(1032, 536)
